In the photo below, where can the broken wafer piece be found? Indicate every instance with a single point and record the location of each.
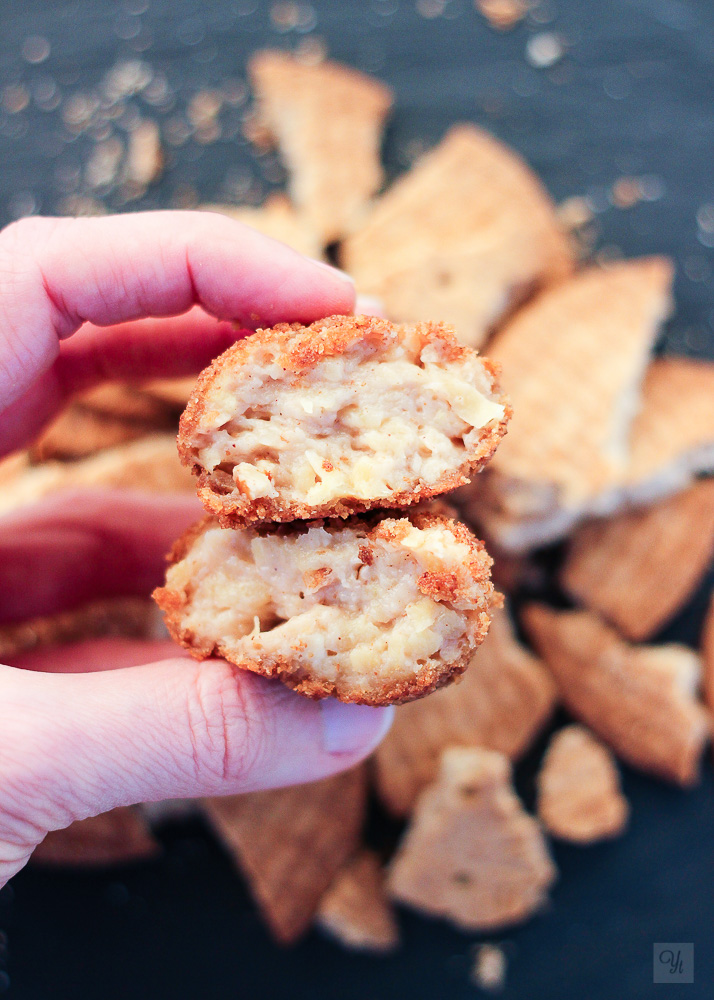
(106, 416)
(341, 416)
(327, 120)
(175, 392)
(579, 797)
(671, 442)
(464, 236)
(471, 853)
(121, 836)
(150, 465)
(78, 432)
(127, 402)
(291, 843)
(501, 703)
(276, 218)
(376, 609)
(639, 568)
(672, 437)
(355, 909)
(573, 361)
(640, 700)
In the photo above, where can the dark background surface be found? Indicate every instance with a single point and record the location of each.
(631, 97)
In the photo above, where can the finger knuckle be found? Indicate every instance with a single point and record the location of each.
(226, 725)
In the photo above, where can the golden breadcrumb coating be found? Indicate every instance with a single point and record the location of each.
(338, 417)
(377, 609)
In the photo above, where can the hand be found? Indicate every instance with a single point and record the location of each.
(85, 728)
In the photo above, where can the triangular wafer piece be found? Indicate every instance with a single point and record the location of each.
(327, 120)
(117, 837)
(501, 703)
(463, 237)
(579, 796)
(671, 441)
(639, 699)
(150, 464)
(291, 843)
(355, 909)
(639, 568)
(278, 219)
(572, 361)
(471, 853)
(673, 435)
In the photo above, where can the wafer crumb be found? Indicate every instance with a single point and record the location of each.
(489, 968)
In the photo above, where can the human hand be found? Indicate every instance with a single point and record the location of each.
(113, 722)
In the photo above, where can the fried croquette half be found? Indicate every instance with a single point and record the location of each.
(375, 609)
(338, 417)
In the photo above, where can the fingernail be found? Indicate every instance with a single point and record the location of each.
(369, 305)
(334, 271)
(353, 728)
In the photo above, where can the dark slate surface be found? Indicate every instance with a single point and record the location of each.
(632, 96)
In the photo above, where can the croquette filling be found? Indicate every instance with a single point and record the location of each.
(353, 426)
(349, 605)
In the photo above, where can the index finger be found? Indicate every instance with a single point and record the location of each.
(56, 274)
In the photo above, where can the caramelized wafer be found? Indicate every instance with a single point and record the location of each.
(471, 853)
(355, 909)
(78, 432)
(121, 836)
(291, 843)
(639, 699)
(327, 120)
(463, 237)
(573, 360)
(639, 568)
(671, 441)
(579, 795)
(150, 464)
(673, 434)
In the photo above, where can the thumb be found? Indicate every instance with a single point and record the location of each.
(75, 745)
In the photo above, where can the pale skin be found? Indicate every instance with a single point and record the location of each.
(112, 722)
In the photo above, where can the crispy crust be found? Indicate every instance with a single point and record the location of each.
(290, 671)
(298, 349)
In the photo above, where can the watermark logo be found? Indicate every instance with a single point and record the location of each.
(673, 963)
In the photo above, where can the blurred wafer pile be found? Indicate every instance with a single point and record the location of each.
(606, 456)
